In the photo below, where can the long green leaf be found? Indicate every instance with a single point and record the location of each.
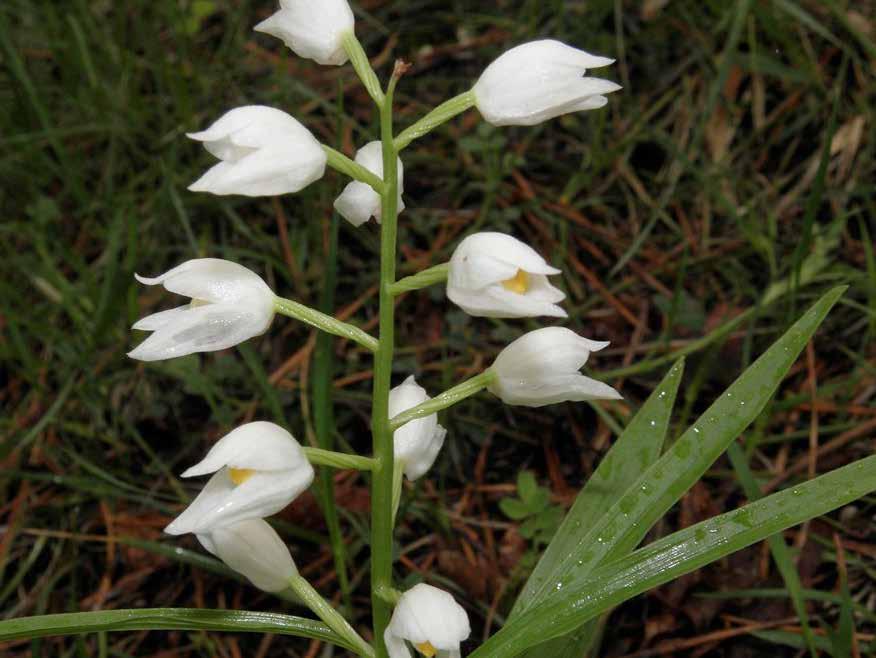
(659, 487)
(638, 446)
(163, 619)
(679, 554)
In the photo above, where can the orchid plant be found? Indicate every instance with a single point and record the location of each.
(259, 468)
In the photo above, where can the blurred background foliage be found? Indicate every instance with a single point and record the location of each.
(727, 186)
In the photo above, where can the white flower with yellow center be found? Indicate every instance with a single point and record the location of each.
(312, 29)
(230, 304)
(263, 152)
(538, 81)
(258, 469)
(430, 620)
(254, 549)
(417, 443)
(359, 202)
(497, 276)
(541, 368)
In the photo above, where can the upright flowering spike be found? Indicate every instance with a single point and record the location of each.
(431, 620)
(254, 549)
(230, 304)
(314, 30)
(417, 443)
(538, 81)
(264, 152)
(259, 468)
(496, 276)
(358, 202)
(541, 368)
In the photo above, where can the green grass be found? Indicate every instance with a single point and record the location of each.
(707, 190)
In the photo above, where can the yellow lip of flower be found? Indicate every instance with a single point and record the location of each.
(240, 475)
(518, 283)
(427, 649)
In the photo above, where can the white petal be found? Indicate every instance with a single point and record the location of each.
(213, 280)
(246, 129)
(428, 614)
(260, 446)
(395, 646)
(551, 390)
(204, 329)
(253, 549)
(158, 320)
(537, 81)
(270, 171)
(313, 30)
(221, 503)
(358, 203)
(416, 444)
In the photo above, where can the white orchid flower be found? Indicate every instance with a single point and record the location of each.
(538, 81)
(418, 442)
(313, 30)
(497, 276)
(359, 202)
(230, 304)
(431, 620)
(254, 549)
(258, 468)
(264, 152)
(541, 368)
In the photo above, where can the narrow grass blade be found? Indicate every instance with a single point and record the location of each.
(162, 619)
(679, 554)
(635, 450)
(778, 548)
(659, 487)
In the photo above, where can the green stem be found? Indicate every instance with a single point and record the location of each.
(334, 459)
(446, 399)
(428, 277)
(332, 618)
(441, 114)
(362, 66)
(397, 479)
(325, 322)
(381, 484)
(340, 162)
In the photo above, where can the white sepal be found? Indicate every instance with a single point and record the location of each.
(429, 618)
(258, 469)
(495, 275)
(541, 367)
(538, 81)
(417, 443)
(359, 202)
(313, 30)
(264, 152)
(230, 304)
(253, 549)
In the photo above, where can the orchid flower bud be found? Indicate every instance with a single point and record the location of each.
(538, 81)
(254, 549)
(313, 30)
(258, 468)
(497, 276)
(359, 202)
(431, 620)
(230, 304)
(264, 152)
(418, 442)
(541, 368)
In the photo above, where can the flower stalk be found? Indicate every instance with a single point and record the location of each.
(332, 618)
(446, 399)
(362, 66)
(340, 162)
(428, 277)
(325, 322)
(440, 115)
(341, 460)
